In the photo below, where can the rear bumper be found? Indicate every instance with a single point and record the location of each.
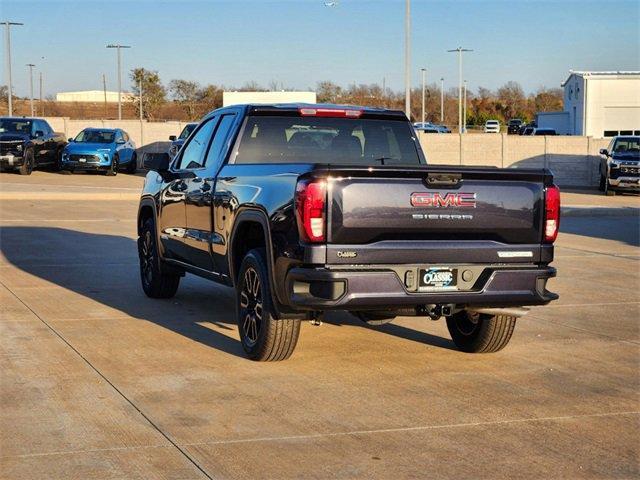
(326, 289)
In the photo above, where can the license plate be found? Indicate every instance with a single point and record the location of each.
(438, 278)
(82, 160)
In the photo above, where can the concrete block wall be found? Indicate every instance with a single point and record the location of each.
(574, 160)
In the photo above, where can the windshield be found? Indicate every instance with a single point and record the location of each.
(95, 136)
(277, 139)
(186, 131)
(15, 125)
(627, 145)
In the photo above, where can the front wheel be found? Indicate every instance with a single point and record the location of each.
(479, 332)
(603, 180)
(133, 164)
(27, 166)
(155, 282)
(264, 338)
(113, 168)
(608, 191)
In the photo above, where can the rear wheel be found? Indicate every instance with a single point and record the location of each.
(263, 336)
(27, 166)
(155, 282)
(480, 333)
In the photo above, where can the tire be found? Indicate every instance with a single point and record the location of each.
(57, 166)
(602, 182)
(27, 167)
(113, 168)
(608, 191)
(479, 332)
(155, 282)
(264, 337)
(133, 164)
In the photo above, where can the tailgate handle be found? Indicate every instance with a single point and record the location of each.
(443, 179)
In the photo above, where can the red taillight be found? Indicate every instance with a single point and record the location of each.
(551, 213)
(330, 112)
(310, 209)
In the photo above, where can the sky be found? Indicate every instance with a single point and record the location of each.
(298, 43)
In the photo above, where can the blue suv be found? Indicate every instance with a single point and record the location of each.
(100, 149)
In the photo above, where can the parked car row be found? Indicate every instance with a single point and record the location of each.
(29, 143)
(428, 127)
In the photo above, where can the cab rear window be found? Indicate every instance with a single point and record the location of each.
(280, 139)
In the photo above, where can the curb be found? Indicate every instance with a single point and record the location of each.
(590, 211)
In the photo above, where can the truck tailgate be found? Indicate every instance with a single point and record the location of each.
(437, 204)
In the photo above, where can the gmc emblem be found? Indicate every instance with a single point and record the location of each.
(438, 200)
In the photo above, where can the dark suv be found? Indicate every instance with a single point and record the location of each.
(304, 209)
(620, 165)
(513, 127)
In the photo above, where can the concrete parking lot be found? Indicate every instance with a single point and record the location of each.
(100, 382)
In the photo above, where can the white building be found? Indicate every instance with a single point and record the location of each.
(92, 96)
(236, 98)
(597, 104)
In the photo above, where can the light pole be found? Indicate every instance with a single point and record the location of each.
(8, 55)
(442, 100)
(407, 59)
(118, 47)
(460, 50)
(424, 73)
(31, 65)
(464, 114)
(104, 89)
(41, 104)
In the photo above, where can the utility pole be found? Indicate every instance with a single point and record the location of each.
(424, 74)
(31, 65)
(442, 100)
(104, 89)
(118, 47)
(8, 56)
(407, 59)
(464, 114)
(460, 50)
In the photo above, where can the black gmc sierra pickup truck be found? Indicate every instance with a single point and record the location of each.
(28, 143)
(308, 208)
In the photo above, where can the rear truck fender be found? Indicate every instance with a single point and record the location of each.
(256, 216)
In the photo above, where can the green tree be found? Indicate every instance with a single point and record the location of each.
(154, 94)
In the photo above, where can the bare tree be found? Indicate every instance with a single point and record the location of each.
(186, 93)
(154, 95)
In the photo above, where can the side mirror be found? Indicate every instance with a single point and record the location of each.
(604, 151)
(172, 138)
(158, 162)
(39, 133)
(70, 140)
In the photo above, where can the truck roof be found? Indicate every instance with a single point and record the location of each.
(295, 107)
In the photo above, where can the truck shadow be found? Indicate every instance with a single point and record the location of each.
(104, 269)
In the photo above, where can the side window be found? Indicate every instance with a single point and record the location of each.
(219, 141)
(118, 136)
(125, 136)
(36, 127)
(46, 128)
(193, 154)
